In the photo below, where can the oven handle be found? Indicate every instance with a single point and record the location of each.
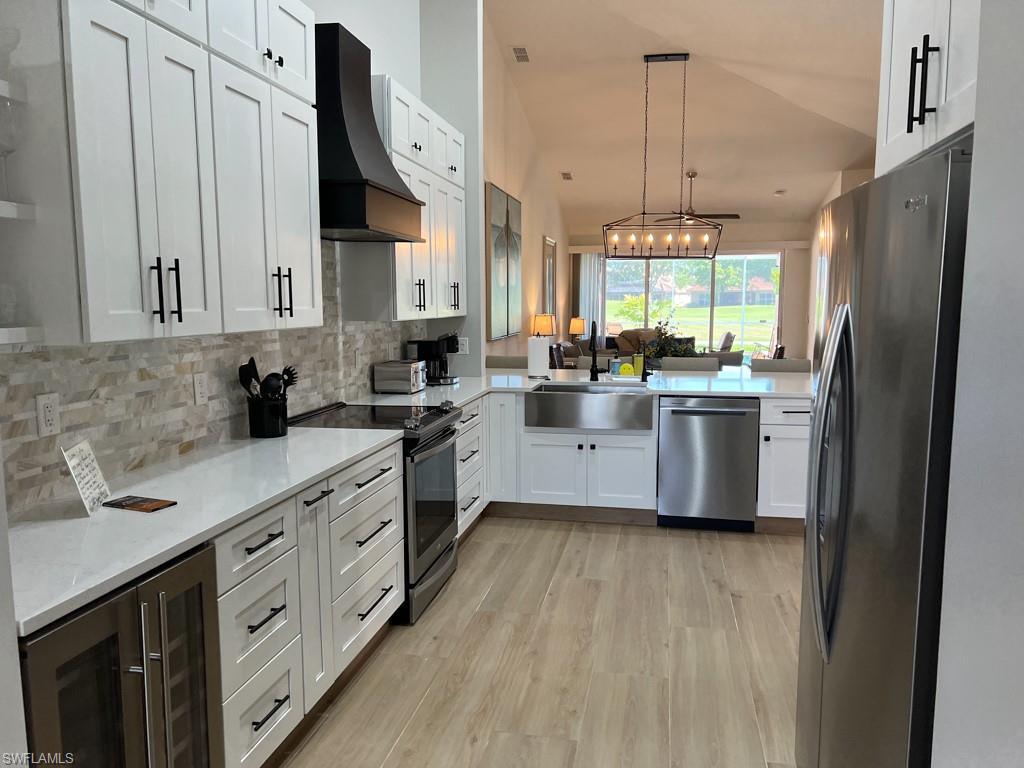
(446, 440)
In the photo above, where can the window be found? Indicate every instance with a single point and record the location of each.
(736, 293)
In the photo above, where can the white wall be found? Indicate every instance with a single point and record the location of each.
(12, 719)
(979, 710)
(390, 28)
(513, 161)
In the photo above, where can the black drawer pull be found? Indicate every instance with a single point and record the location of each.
(159, 269)
(470, 418)
(318, 499)
(383, 594)
(254, 628)
(280, 61)
(790, 413)
(470, 456)
(278, 703)
(472, 501)
(268, 54)
(383, 525)
(453, 169)
(270, 537)
(379, 475)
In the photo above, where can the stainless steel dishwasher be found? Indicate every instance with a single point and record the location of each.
(707, 462)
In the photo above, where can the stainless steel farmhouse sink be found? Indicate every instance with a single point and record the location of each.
(590, 406)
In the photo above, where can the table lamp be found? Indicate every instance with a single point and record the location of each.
(577, 327)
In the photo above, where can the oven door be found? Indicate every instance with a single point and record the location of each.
(431, 506)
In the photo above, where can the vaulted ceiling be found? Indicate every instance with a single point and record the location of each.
(782, 94)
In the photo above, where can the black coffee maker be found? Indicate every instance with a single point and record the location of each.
(435, 353)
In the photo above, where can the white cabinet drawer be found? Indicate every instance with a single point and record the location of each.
(364, 478)
(257, 619)
(248, 547)
(794, 412)
(367, 605)
(472, 415)
(469, 453)
(264, 710)
(471, 500)
(361, 536)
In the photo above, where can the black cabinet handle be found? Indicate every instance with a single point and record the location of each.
(278, 703)
(593, 447)
(268, 54)
(381, 527)
(767, 438)
(421, 292)
(280, 61)
(579, 446)
(291, 295)
(470, 456)
(458, 295)
(417, 147)
(471, 503)
(470, 418)
(159, 311)
(176, 269)
(919, 96)
(254, 628)
(383, 594)
(380, 474)
(318, 499)
(453, 169)
(280, 292)
(270, 538)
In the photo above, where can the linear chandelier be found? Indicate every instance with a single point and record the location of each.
(680, 234)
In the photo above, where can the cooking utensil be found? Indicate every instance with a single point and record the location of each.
(272, 387)
(254, 373)
(245, 379)
(291, 376)
(254, 390)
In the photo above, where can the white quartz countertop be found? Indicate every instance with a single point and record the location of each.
(731, 381)
(61, 564)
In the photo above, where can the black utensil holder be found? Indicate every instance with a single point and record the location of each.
(268, 418)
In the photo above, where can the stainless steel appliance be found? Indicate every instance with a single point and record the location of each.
(435, 353)
(890, 275)
(707, 462)
(135, 679)
(589, 406)
(431, 504)
(400, 376)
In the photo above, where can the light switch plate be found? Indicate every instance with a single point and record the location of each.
(201, 388)
(48, 414)
(393, 353)
(463, 345)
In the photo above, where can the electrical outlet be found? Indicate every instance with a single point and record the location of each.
(48, 414)
(201, 388)
(393, 353)
(463, 346)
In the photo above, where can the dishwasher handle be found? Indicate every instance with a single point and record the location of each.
(708, 412)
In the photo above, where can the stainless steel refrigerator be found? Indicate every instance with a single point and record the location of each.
(889, 275)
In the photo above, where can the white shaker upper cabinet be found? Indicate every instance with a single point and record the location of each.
(297, 191)
(186, 16)
(414, 285)
(179, 74)
(410, 125)
(449, 246)
(112, 145)
(240, 29)
(247, 221)
(292, 33)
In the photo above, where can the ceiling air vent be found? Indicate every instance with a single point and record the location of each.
(566, 175)
(521, 54)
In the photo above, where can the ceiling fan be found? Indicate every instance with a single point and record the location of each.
(691, 175)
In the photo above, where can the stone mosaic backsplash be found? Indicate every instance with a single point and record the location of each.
(134, 401)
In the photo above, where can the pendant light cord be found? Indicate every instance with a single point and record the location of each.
(647, 91)
(682, 148)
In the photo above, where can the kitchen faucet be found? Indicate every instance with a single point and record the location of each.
(593, 350)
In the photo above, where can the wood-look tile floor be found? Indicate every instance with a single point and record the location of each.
(571, 645)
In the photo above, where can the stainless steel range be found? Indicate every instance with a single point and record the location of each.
(431, 504)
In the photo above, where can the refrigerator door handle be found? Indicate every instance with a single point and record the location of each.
(840, 327)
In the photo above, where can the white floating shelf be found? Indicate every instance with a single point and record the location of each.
(13, 91)
(20, 335)
(10, 210)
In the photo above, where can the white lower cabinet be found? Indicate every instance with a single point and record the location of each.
(782, 470)
(597, 470)
(361, 536)
(502, 447)
(261, 714)
(313, 509)
(367, 605)
(469, 453)
(472, 500)
(554, 469)
(257, 619)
